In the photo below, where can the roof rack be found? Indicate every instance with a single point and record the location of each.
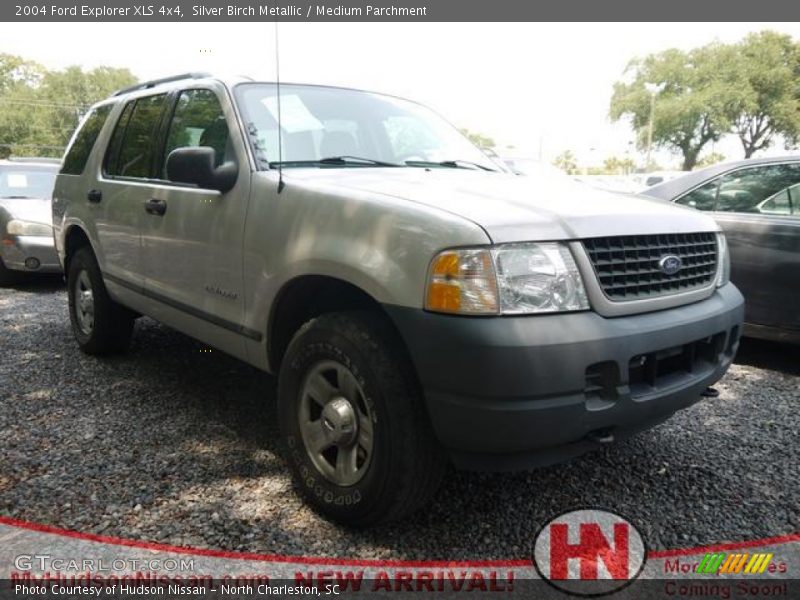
(154, 82)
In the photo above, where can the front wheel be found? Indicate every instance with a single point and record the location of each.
(357, 438)
(101, 326)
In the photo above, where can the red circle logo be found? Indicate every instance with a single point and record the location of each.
(589, 552)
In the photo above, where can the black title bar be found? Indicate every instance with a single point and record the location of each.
(401, 10)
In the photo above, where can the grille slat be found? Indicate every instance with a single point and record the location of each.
(627, 266)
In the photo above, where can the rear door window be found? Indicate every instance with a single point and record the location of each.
(137, 149)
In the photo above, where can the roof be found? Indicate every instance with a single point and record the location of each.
(675, 187)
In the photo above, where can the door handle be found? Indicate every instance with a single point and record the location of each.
(94, 196)
(155, 206)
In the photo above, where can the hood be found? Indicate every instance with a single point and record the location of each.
(37, 210)
(513, 208)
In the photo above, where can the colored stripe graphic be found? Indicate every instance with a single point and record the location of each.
(720, 562)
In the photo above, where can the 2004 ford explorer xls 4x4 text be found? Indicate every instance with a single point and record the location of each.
(418, 304)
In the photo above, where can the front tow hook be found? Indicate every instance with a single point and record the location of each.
(601, 436)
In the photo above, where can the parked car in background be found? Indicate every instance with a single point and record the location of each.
(622, 184)
(757, 204)
(656, 177)
(531, 166)
(26, 231)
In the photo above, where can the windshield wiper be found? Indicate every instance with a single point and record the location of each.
(337, 160)
(17, 197)
(343, 160)
(451, 164)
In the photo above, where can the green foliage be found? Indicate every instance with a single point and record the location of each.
(566, 162)
(709, 159)
(769, 105)
(618, 166)
(480, 140)
(39, 109)
(693, 103)
(748, 88)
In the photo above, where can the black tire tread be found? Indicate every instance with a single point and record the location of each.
(421, 462)
(113, 323)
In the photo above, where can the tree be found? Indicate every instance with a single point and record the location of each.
(710, 159)
(693, 106)
(480, 140)
(566, 162)
(769, 65)
(39, 109)
(618, 166)
(16, 71)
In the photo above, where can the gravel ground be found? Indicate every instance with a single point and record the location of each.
(173, 444)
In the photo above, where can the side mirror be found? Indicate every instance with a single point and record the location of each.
(195, 164)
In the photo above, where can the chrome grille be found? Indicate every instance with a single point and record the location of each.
(627, 266)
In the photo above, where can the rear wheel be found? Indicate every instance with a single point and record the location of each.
(358, 439)
(101, 326)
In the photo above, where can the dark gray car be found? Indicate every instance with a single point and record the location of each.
(757, 204)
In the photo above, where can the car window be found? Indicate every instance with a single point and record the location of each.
(83, 142)
(112, 154)
(198, 120)
(26, 181)
(794, 199)
(702, 198)
(320, 122)
(750, 190)
(779, 204)
(137, 149)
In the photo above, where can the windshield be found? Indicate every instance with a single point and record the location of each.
(27, 181)
(366, 129)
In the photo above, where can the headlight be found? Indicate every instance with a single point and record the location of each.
(506, 279)
(536, 278)
(724, 258)
(17, 227)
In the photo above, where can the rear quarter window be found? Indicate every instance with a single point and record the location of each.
(83, 142)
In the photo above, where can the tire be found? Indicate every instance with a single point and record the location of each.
(101, 326)
(360, 357)
(7, 276)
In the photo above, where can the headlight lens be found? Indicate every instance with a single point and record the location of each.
(724, 257)
(506, 279)
(536, 278)
(17, 227)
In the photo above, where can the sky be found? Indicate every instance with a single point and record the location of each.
(539, 87)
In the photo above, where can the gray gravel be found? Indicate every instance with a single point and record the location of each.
(173, 444)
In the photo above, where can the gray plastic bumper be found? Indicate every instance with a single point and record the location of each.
(514, 392)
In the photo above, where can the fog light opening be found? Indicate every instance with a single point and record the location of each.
(32, 263)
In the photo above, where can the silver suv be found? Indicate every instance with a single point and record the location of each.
(418, 305)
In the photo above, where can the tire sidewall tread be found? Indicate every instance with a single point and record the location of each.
(407, 463)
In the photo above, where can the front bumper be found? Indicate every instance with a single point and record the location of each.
(514, 392)
(38, 251)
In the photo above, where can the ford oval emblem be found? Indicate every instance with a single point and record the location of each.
(670, 264)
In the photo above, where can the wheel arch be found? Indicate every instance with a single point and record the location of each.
(75, 238)
(308, 296)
